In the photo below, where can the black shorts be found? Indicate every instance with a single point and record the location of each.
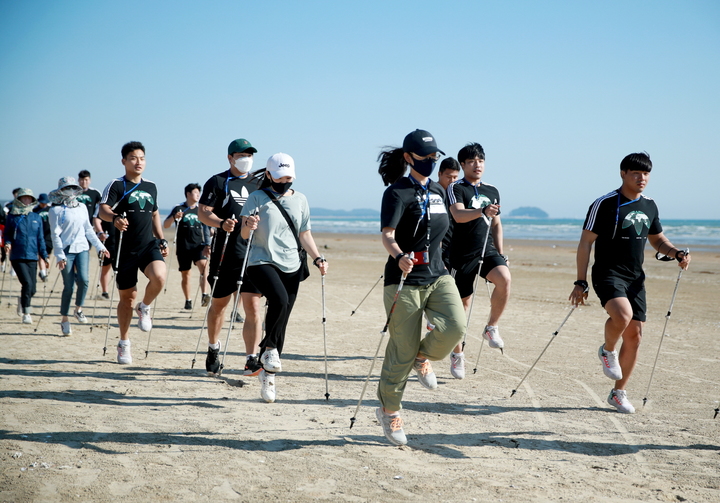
(127, 276)
(611, 287)
(227, 281)
(186, 258)
(465, 276)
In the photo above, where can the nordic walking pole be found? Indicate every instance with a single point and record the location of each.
(572, 309)
(382, 336)
(237, 297)
(197, 292)
(322, 286)
(2, 288)
(47, 300)
(212, 291)
(167, 276)
(366, 296)
(667, 319)
(97, 289)
(482, 259)
(114, 285)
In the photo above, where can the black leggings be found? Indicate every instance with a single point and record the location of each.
(280, 289)
(26, 271)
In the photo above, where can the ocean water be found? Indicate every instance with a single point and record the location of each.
(680, 232)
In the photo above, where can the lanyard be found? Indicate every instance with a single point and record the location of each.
(617, 211)
(425, 198)
(125, 191)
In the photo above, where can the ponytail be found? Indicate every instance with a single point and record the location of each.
(392, 165)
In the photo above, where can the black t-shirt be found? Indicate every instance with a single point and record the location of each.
(407, 208)
(138, 202)
(622, 227)
(189, 229)
(43, 212)
(90, 198)
(469, 237)
(227, 194)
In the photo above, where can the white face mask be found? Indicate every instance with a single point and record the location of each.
(243, 164)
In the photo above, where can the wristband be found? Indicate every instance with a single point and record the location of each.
(116, 216)
(398, 257)
(318, 260)
(582, 283)
(678, 253)
(163, 243)
(222, 223)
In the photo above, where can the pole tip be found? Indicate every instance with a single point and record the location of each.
(475, 370)
(352, 422)
(192, 365)
(644, 401)
(352, 313)
(502, 351)
(716, 412)
(104, 350)
(513, 393)
(327, 396)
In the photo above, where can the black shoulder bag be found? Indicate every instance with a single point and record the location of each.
(304, 269)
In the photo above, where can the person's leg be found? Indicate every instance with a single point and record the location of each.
(68, 275)
(466, 306)
(631, 337)
(25, 275)
(500, 277)
(185, 284)
(402, 347)
(252, 328)
(202, 269)
(155, 273)
(445, 310)
(620, 311)
(216, 317)
(125, 309)
(268, 281)
(82, 271)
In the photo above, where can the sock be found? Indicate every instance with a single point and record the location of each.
(143, 305)
(124, 342)
(247, 357)
(453, 353)
(215, 346)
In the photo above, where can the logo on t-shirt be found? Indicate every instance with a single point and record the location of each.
(637, 219)
(190, 219)
(239, 198)
(84, 199)
(141, 197)
(479, 201)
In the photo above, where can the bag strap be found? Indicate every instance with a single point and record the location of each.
(287, 217)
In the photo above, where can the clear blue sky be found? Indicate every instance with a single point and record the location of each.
(557, 93)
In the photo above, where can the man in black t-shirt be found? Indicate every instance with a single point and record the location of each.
(620, 223)
(447, 175)
(130, 203)
(90, 197)
(192, 241)
(475, 207)
(223, 197)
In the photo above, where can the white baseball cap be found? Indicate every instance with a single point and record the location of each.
(280, 165)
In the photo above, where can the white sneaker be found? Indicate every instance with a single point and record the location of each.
(492, 336)
(611, 366)
(124, 354)
(66, 328)
(392, 427)
(457, 365)
(27, 319)
(425, 373)
(80, 316)
(271, 360)
(144, 320)
(618, 399)
(267, 386)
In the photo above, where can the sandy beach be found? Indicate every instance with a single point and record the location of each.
(76, 426)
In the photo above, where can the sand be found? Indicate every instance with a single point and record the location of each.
(76, 426)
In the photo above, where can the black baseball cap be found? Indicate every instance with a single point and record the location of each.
(421, 142)
(241, 145)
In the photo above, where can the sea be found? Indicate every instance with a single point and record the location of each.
(681, 232)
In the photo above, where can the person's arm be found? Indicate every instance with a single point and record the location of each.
(55, 232)
(93, 239)
(579, 293)
(307, 242)
(663, 246)
(405, 263)
(463, 215)
(109, 215)
(172, 217)
(206, 215)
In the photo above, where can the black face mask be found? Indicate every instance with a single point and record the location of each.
(280, 188)
(424, 167)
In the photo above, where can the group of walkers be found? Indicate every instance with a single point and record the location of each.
(254, 229)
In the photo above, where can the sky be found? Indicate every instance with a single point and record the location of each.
(557, 92)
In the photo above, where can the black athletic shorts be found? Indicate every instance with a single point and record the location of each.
(465, 276)
(186, 258)
(127, 274)
(227, 281)
(611, 287)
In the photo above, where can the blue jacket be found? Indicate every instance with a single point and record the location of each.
(25, 234)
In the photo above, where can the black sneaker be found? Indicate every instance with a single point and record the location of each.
(212, 362)
(188, 305)
(239, 319)
(252, 366)
(206, 300)
(105, 296)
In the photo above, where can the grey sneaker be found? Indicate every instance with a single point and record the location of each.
(425, 373)
(205, 302)
(392, 427)
(457, 365)
(267, 386)
(124, 355)
(611, 366)
(618, 399)
(492, 336)
(270, 360)
(80, 316)
(144, 319)
(26, 319)
(66, 328)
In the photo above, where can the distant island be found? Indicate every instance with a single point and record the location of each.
(528, 212)
(359, 213)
